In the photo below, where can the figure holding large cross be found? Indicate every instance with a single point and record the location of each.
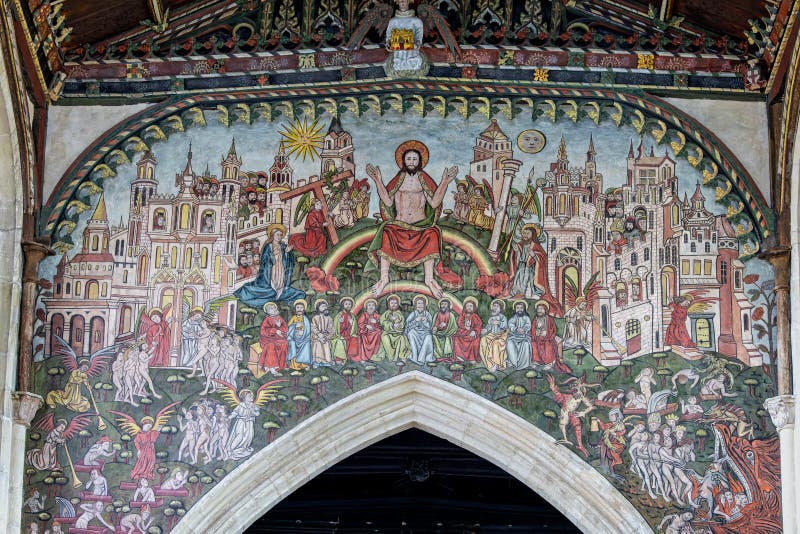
(410, 205)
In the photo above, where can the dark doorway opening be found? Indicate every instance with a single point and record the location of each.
(411, 483)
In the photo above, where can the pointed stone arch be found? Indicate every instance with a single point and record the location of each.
(417, 400)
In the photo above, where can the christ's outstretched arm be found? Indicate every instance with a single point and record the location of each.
(375, 173)
(447, 177)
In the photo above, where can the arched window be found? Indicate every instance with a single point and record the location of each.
(68, 288)
(157, 263)
(579, 243)
(553, 245)
(708, 247)
(125, 276)
(143, 264)
(634, 259)
(77, 288)
(676, 215)
(204, 257)
(606, 330)
(647, 254)
(125, 317)
(185, 216)
(95, 243)
(746, 322)
(548, 205)
(723, 272)
(207, 222)
(693, 247)
(617, 264)
(160, 219)
(685, 238)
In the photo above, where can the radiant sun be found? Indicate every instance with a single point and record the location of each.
(303, 139)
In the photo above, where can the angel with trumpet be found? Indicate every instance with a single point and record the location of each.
(144, 438)
(80, 371)
(58, 433)
(246, 407)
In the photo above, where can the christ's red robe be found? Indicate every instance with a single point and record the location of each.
(311, 243)
(369, 340)
(465, 346)
(274, 347)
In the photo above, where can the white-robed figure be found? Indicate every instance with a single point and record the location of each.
(191, 332)
(418, 331)
(246, 407)
(404, 39)
(518, 343)
(299, 337)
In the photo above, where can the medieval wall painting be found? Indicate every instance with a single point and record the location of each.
(224, 284)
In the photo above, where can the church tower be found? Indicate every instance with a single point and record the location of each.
(97, 232)
(337, 150)
(145, 185)
(229, 181)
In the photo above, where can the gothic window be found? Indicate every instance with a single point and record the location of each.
(579, 243)
(617, 264)
(693, 247)
(708, 247)
(651, 221)
(737, 279)
(646, 254)
(723, 271)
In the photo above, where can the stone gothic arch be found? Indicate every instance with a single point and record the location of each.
(414, 399)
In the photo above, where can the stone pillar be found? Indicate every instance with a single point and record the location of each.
(780, 258)
(782, 410)
(34, 252)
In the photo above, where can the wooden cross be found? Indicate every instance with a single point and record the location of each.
(316, 188)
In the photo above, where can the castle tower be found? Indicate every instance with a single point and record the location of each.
(492, 146)
(97, 233)
(145, 185)
(337, 150)
(229, 182)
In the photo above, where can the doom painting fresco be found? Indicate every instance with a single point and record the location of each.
(216, 288)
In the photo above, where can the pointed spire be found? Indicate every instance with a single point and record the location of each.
(562, 149)
(640, 149)
(698, 194)
(232, 149)
(630, 150)
(590, 152)
(207, 171)
(652, 152)
(100, 213)
(336, 126)
(685, 200)
(188, 170)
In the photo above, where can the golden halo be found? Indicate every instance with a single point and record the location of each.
(272, 228)
(534, 228)
(304, 302)
(474, 302)
(502, 304)
(423, 298)
(542, 303)
(392, 297)
(268, 304)
(375, 302)
(342, 301)
(404, 147)
(520, 301)
(318, 302)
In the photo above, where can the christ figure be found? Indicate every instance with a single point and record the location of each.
(410, 204)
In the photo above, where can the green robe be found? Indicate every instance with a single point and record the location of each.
(443, 337)
(394, 343)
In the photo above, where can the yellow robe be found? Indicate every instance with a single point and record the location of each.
(71, 396)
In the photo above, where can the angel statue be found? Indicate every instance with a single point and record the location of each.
(404, 33)
(246, 407)
(58, 433)
(144, 438)
(578, 317)
(79, 373)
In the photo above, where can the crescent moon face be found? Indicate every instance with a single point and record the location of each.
(531, 141)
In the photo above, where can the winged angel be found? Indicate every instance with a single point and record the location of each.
(246, 407)
(58, 433)
(404, 34)
(578, 317)
(144, 438)
(79, 373)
